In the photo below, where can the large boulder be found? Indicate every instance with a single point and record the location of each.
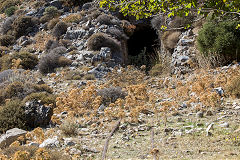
(11, 136)
(37, 113)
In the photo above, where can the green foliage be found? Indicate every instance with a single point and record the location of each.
(12, 116)
(44, 97)
(220, 38)
(6, 40)
(50, 13)
(10, 11)
(141, 9)
(27, 60)
(4, 4)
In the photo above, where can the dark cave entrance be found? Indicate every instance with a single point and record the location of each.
(142, 45)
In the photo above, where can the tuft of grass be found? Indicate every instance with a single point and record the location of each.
(69, 127)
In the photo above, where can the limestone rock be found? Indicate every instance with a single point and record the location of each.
(11, 136)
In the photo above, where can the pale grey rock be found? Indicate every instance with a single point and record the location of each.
(50, 143)
(210, 127)
(224, 125)
(34, 144)
(11, 136)
(69, 142)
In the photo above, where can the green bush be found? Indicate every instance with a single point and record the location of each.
(10, 11)
(28, 60)
(7, 40)
(51, 11)
(44, 97)
(12, 116)
(220, 38)
(4, 4)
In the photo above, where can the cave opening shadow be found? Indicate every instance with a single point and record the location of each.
(142, 45)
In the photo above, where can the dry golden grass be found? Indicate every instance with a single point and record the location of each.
(72, 18)
(41, 40)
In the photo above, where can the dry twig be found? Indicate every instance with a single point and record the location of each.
(108, 139)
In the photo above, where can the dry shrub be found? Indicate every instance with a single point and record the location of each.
(59, 29)
(58, 50)
(163, 65)
(49, 62)
(41, 39)
(110, 95)
(7, 25)
(51, 44)
(44, 97)
(93, 14)
(63, 61)
(21, 88)
(52, 23)
(233, 87)
(157, 22)
(23, 25)
(107, 20)
(6, 40)
(99, 40)
(69, 127)
(170, 39)
(66, 43)
(210, 61)
(178, 22)
(72, 18)
(89, 77)
(128, 28)
(31, 152)
(73, 75)
(116, 33)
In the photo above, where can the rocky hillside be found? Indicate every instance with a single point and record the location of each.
(81, 82)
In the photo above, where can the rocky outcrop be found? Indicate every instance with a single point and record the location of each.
(37, 114)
